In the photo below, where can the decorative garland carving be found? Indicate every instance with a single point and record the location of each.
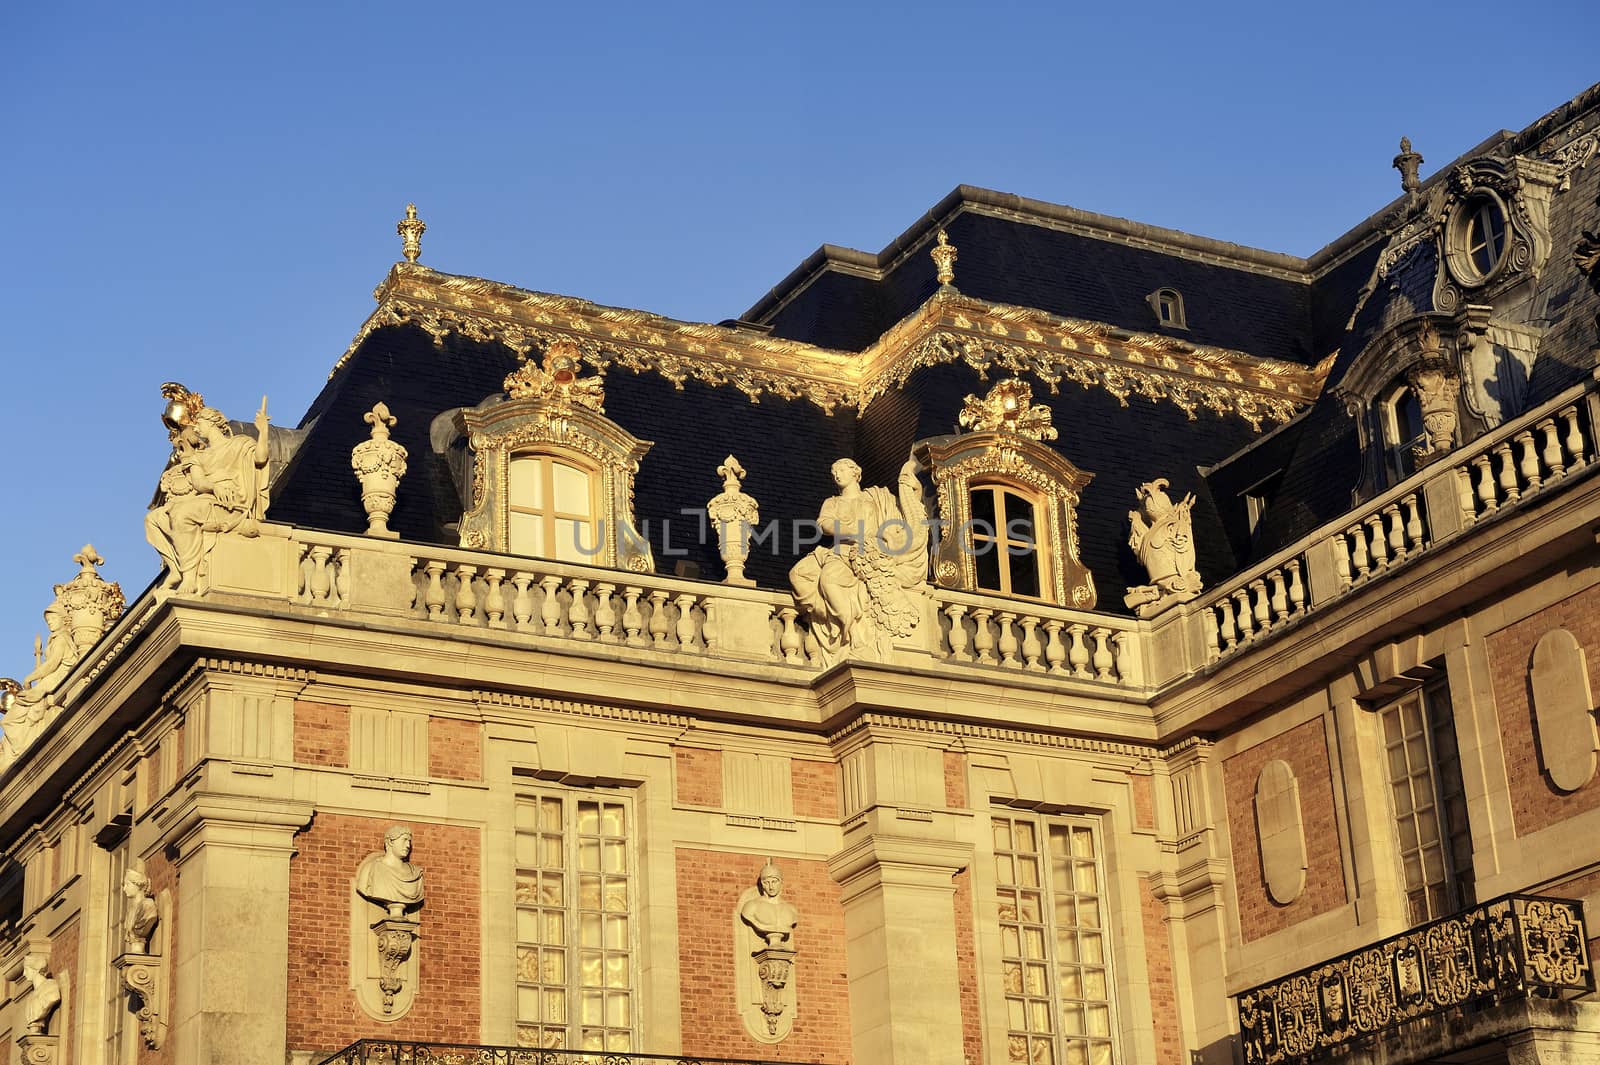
(948, 328)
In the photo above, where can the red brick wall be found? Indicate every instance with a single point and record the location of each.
(323, 1014)
(967, 965)
(321, 734)
(816, 788)
(1535, 803)
(1305, 748)
(163, 877)
(709, 885)
(1144, 800)
(699, 775)
(955, 780)
(455, 750)
(1163, 985)
(65, 967)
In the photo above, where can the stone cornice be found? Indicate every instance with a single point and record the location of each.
(949, 327)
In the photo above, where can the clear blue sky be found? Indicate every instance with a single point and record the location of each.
(207, 193)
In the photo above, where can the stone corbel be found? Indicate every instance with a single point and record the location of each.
(773, 967)
(144, 978)
(395, 938)
(39, 1049)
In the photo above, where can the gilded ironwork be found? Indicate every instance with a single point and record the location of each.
(411, 229)
(948, 328)
(944, 259)
(1008, 408)
(405, 1052)
(1512, 947)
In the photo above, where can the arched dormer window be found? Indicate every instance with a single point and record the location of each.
(552, 475)
(1168, 305)
(1008, 503)
(1399, 416)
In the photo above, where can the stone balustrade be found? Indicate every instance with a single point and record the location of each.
(1037, 638)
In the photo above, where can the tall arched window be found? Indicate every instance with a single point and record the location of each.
(1005, 541)
(551, 511)
(1400, 420)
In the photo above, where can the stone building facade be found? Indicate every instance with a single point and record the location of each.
(1051, 639)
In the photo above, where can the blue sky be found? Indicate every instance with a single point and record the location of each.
(207, 193)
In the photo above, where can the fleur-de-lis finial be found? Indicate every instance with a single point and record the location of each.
(1407, 162)
(411, 229)
(944, 258)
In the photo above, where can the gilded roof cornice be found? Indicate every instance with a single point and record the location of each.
(948, 328)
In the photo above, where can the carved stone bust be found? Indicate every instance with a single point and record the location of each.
(387, 878)
(140, 915)
(46, 994)
(768, 913)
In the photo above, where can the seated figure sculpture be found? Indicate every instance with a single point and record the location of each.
(869, 588)
(387, 878)
(214, 483)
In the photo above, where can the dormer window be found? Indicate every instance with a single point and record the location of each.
(1400, 420)
(551, 508)
(1168, 305)
(1005, 540)
(1477, 238)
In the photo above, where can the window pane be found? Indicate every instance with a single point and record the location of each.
(525, 534)
(986, 556)
(983, 510)
(1024, 571)
(1019, 518)
(525, 482)
(576, 541)
(571, 490)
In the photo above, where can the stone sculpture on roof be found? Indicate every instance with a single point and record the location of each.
(869, 588)
(1162, 538)
(214, 483)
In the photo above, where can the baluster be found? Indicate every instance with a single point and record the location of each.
(466, 596)
(685, 628)
(1230, 635)
(1358, 554)
(522, 602)
(958, 632)
(550, 609)
(1102, 660)
(494, 603)
(1055, 652)
(982, 638)
(1575, 448)
(578, 609)
(1125, 648)
(1078, 656)
(789, 641)
(1377, 546)
(1397, 531)
(302, 590)
(1508, 471)
(1262, 612)
(1529, 466)
(1552, 448)
(708, 627)
(1280, 596)
(1464, 496)
(1414, 532)
(1341, 559)
(1243, 614)
(1297, 590)
(1031, 648)
(1486, 493)
(341, 580)
(658, 619)
(632, 619)
(605, 615)
(1008, 641)
(813, 648)
(1208, 624)
(433, 597)
(319, 585)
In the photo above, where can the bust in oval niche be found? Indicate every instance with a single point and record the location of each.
(1563, 709)
(1280, 831)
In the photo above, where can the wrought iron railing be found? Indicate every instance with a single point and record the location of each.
(396, 1052)
(1513, 947)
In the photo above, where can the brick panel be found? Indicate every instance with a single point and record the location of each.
(698, 775)
(321, 734)
(967, 964)
(323, 1014)
(709, 885)
(816, 788)
(955, 780)
(1163, 984)
(455, 750)
(1144, 800)
(66, 967)
(1305, 748)
(1535, 802)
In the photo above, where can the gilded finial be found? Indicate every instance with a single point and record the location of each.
(944, 257)
(411, 229)
(1407, 163)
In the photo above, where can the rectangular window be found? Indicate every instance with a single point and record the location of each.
(1430, 807)
(1054, 956)
(575, 982)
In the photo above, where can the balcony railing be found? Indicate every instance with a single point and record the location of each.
(1516, 946)
(390, 1052)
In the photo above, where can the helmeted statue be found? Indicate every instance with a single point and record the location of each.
(1162, 538)
(869, 588)
(772, 917)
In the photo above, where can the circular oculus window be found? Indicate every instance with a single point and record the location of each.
(1479, 238)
